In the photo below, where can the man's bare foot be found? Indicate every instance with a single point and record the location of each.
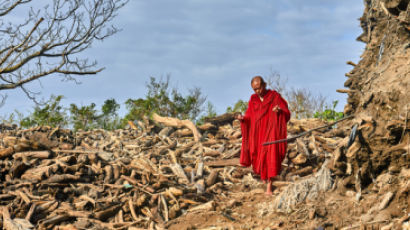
(269, 188)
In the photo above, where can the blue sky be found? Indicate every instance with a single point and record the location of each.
(217, 46)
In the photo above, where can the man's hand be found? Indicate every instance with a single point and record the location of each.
(276, 109)
(239, 117)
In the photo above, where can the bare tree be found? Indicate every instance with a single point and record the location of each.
(50, 38)
(302, 102)
(277, 82)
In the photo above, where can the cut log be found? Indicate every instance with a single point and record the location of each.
(33, 154)
(222, 119)
(6, 152)
(212, 178)
(346, 91)
(303, 171)
(175, 122)
(177, 170)
(108, 212)
(223, 163)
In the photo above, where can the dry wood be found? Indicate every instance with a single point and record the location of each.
(301, 147)
(7, 196)
(200, 169)
(303, 171)
(6, 152)
(174, 122)
(177, 170)
(346, 91)
(120, 216)
(62, 178)
(313, 145)
(307, 132)
(165, 207)
(222, 119)
(108, 212)
(392, 3)
(207, 126)
(222, 163)
(33, 154)
(154, 180)
(212, 178)
(24, 197)
(53, 220)
(8, 223)
(132, 209)
(132, 125)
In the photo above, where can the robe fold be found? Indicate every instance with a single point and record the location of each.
(261, 124)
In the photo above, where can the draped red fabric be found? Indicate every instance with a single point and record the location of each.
(261, 124)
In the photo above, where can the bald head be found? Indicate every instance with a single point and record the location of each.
(259, 86)
(258, 78)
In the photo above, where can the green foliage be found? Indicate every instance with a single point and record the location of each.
(240, 106)
(210, 113)
(329, 114)
(50, 114)
(84, 117)
(109, 119)
(160, 99)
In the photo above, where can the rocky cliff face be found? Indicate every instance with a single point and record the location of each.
(379, 89)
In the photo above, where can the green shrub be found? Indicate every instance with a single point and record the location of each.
(329, 114)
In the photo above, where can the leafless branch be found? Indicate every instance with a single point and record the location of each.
(50, 40)
(7, 6)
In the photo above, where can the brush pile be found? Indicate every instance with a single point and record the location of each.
(139, 177)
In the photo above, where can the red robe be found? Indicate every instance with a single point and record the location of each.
(261, 124)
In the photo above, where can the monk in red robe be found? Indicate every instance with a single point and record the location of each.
(264, 121)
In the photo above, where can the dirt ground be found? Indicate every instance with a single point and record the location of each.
(248, 207)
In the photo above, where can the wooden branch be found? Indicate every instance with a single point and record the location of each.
(222, 119)
(346, 91)
(307, 132)
(33, 154)
(223, 163)
(175, 122)
(10, 8)
(17, 47)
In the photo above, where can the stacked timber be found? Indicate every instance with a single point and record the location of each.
(143, 176)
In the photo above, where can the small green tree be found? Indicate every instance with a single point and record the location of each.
(109, 119)
(84, 117)
(240, 106)
(50, 114)
(160, 99)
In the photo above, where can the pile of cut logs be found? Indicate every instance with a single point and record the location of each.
(139, 177)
